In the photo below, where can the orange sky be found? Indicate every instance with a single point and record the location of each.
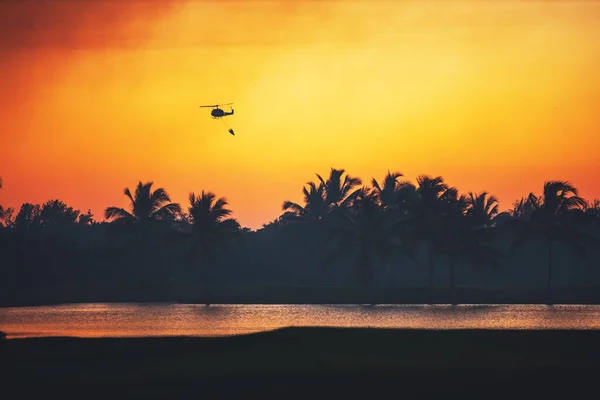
(97, 95)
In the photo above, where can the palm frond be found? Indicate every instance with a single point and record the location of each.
(127, 193)
(159, 197)
(293, 207)
(166, 211)
(321, 180)
(375, 184)
(117, 213)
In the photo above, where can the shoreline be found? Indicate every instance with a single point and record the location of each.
(167, 302)
(318, 296)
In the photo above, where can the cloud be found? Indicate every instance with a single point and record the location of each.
(98, 24)
(35, 24)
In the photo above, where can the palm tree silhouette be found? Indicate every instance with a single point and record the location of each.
(369, 232)
(482, 209)
(521, 209)
(464, 236)
(323, 198)
(212, 230)
(315, 206)
(426, 210)
(387, 193)
(450, 226)
(339, 193)
(553, 217)
(146, 206)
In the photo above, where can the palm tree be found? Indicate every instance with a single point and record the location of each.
(212, 230)
(387, 194)
(521, 209)
(425, 216)
(463, 236)
(429, 191)
(553, 217)
(481, 209)
(440, 218)
(147, 206)
(339, 193)
(462, 242)
(315, 206)
(367, 231)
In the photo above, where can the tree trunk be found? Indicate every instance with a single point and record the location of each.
(365, 276)
(205, 281)
(431, 291)
(550, 273)
(386, 287)
(452, 294)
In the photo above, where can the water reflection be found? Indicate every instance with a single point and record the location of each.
(155, 319)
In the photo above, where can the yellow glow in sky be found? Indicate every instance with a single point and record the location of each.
(492, 95)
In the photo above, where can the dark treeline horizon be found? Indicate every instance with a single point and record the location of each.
(371, 238)
(8, 215)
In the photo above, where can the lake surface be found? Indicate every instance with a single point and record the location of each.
(132, 320)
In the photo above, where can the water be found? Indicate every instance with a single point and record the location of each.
(134, 320)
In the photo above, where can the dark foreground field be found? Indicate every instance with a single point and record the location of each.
(309, 363)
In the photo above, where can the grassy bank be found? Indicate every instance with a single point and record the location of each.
(298, 362)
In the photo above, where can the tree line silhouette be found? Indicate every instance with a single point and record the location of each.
(367, 238)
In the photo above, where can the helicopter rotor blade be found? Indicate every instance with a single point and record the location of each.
(217, 105)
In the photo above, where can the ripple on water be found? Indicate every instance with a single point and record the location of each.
(156, 319)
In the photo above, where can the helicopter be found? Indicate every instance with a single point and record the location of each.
(217, 112)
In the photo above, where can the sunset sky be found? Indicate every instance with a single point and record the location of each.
(97, 95)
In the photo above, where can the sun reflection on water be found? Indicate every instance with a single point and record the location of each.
(134, 320)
